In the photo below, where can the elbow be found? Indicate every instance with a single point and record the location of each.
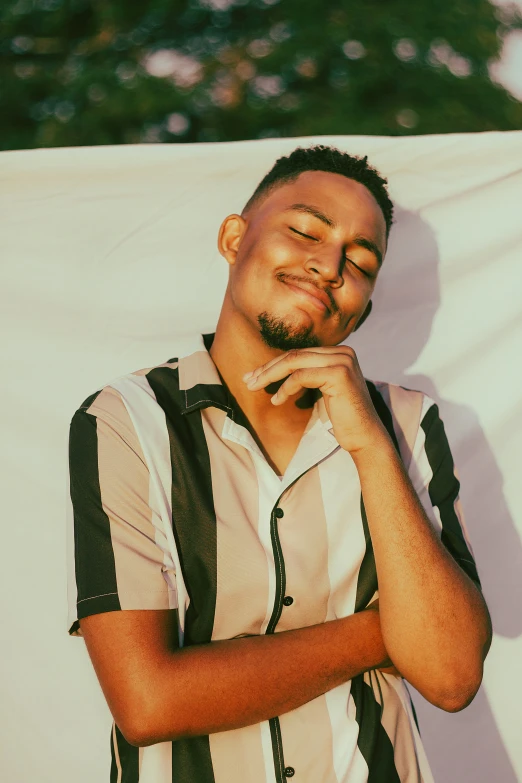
(468, 681)
(457, 695)
(136, 732)
(135, 738)
(458, 700)
(142, 737)
(459, 683)
(142, 733)
(131, 720)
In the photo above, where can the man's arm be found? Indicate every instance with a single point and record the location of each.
(153, 691)
(435, 622)
(157, 693)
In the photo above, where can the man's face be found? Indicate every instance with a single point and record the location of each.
(284, 248)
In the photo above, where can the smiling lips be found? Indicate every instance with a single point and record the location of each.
(311, 293)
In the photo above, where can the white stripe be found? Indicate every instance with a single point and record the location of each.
(148, 419)
(421, 473)
(266, 502)
(116, 752)
(457, 505)
(341, 494)
(348, 761)
(156, 764)
(400, 687)
(268, 753)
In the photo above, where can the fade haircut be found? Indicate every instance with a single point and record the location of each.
(322, 158)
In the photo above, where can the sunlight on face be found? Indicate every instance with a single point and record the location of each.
(304, 261)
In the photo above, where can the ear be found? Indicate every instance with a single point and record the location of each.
(364, 316)
(229, 237)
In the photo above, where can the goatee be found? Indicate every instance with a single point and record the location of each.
(277, 334)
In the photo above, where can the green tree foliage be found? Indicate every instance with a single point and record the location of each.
(84, 72)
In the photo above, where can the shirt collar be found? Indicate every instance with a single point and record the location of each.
(200, 381)
(201, 385)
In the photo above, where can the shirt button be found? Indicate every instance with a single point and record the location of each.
(279, 513)
(289, 772)
(288, 600)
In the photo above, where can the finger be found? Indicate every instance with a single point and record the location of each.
(326, 349)
(303, 378)
(292, 363)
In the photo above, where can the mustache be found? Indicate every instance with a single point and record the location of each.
(291, 278)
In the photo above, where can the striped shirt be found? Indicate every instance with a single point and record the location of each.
(172, 505)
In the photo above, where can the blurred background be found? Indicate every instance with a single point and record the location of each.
(88, 72)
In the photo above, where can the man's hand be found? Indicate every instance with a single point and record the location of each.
(437, 629)
(334, 369)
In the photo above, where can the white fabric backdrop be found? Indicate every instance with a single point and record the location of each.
(109, 264)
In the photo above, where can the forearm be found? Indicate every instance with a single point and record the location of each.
(434, 620)
(229, 684)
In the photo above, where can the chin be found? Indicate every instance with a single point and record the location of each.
(278, 333)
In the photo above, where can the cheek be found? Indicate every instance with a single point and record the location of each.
(273, 251)
(357, 290)
(357, 293)
(263, 260)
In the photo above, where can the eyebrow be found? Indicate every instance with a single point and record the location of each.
(357, 240)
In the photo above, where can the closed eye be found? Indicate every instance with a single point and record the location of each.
(301, 234)
(316, 240)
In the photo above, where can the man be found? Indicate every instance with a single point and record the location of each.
(267, 544)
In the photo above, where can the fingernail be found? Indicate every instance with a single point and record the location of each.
(251, 382)
(247, 375)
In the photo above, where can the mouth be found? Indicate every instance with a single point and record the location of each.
(306, 294)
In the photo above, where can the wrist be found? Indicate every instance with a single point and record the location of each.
(379, 447)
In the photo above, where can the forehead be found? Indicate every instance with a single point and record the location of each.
(351, 205)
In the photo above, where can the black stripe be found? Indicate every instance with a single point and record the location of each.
(373, 741)
(280, 573)
(194, 526)
(367, 579)
(367, 582)
(129, 760)
(193, 514)
(93, 550)
(200, 395)
(383, 412)
(191, 760)
(443, 491)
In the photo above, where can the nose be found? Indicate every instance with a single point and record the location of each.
(328, 263)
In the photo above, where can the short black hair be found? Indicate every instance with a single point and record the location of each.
(325, 158)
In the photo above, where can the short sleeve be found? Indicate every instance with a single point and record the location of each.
(436, 481)
(117, 556)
